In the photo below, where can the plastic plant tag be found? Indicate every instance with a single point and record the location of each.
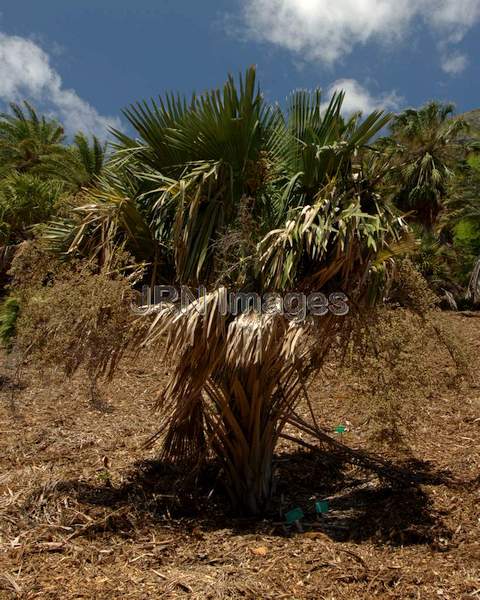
(294, 515)
(321, 506)
(340, 429)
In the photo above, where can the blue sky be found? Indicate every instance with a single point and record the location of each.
(84, 60)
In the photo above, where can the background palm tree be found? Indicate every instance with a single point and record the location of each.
(40, 174)
(78, 165)
(426, 144)
(26, 138)
(25, 197)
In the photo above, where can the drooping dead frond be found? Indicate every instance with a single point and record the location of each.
(334, 239)
(235, 383)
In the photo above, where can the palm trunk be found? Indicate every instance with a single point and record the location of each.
(245, 375)
(249, 480)
(245, 439)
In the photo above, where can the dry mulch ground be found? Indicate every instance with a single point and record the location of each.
(86, 512)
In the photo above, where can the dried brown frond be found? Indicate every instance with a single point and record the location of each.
(238, 378)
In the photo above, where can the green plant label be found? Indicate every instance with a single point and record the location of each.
(294, 515)
(321, 506)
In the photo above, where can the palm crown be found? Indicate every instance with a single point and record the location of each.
(426, 142)
(25, 137)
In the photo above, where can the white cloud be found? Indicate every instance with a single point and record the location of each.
(26, 73)
(455, 63)
(453, 14)
(326, 30)
(358, 98)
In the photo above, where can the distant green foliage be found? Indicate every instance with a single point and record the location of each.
(435, 261)
(25, 137)
(474, 161)
(78, 165)
(9, 312)
(467, 242)
(40, 173)
(25, 200)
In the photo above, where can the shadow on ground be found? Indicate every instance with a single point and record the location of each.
(361, 506)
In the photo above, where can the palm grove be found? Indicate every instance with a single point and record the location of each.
(227, 191)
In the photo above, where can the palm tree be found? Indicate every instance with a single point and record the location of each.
(427, 146)
(312, 186)
(79, 165)
(25, 137)
(38, 169)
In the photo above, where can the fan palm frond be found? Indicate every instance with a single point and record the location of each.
(77, 166)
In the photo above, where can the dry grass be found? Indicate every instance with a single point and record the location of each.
(86, 512)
